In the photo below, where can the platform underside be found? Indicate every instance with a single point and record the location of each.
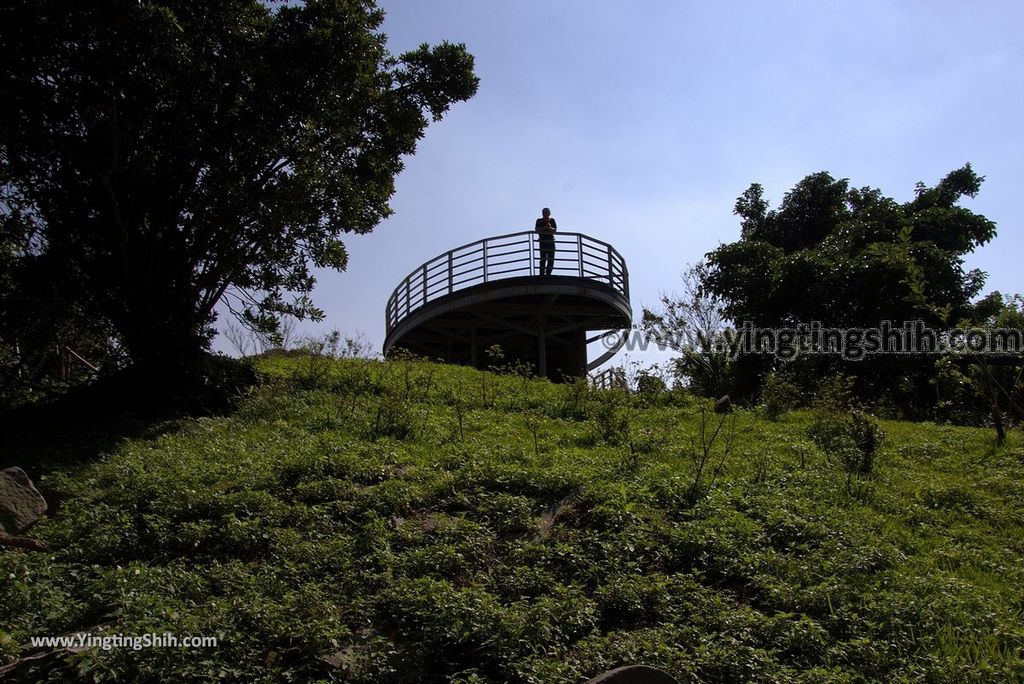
(540, 321)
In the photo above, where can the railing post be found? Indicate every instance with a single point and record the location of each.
(579, 252)
(424, 283)
(611, 279)
(408, 295)
(485, 260)
(529, 251)
(451, 275)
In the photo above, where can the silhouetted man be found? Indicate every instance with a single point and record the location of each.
(546, 226)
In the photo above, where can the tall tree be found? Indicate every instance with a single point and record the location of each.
(851, 258)
(167, 153)
(835, 254)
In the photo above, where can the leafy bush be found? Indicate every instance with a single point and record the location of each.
(780, 394)
(575, 399)
(392, 419)
(835, 393)
(610, 416)
(853, 436)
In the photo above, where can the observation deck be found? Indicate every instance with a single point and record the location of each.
(457, 305)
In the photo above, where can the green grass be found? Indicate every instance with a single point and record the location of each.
(362, 521)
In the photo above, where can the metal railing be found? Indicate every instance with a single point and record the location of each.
(506, 256)
(610, 378)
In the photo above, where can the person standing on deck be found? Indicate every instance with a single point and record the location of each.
(546, 227)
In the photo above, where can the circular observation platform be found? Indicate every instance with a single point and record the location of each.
(491, 292)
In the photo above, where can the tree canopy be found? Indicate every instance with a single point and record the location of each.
(157, 156)
(848, 256)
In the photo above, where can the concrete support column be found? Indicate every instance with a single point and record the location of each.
(542, 354)
(579, 348)
(473, 356)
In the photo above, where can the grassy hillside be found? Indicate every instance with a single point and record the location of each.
(409, 522)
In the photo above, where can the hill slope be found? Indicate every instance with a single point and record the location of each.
(409, 522)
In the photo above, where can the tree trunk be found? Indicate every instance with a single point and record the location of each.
(168, 349)
(1000, 425)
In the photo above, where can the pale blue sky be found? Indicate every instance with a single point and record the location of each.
(640, 123)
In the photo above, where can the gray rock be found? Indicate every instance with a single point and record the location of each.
(21, 504)
(552, 514)
(633, 674)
